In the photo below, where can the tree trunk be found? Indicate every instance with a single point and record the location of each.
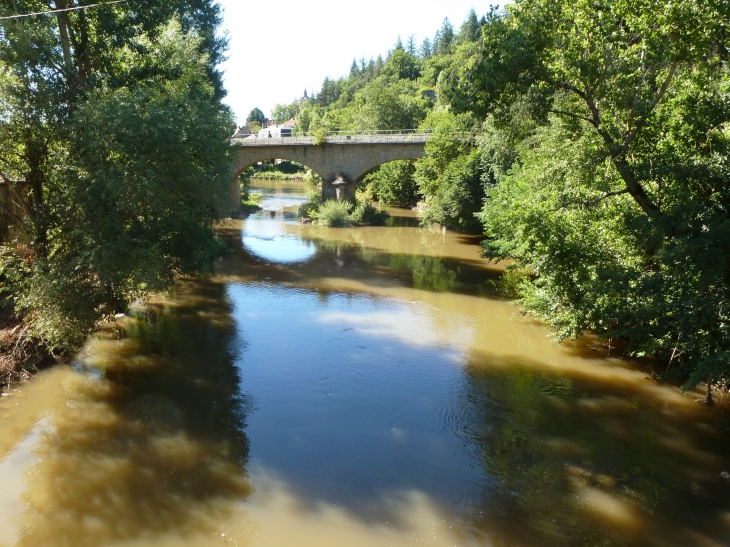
(63, 32)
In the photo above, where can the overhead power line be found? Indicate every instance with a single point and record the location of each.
(61, 10)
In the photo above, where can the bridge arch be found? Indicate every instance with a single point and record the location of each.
(340, 161)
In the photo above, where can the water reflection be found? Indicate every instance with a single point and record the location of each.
(154, 446)
(263, 237)
(583, 463)
(263, 234)
(397, 402)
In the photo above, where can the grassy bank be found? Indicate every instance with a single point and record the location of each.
(251, 202)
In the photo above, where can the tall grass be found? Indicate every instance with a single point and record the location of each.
(335, 214)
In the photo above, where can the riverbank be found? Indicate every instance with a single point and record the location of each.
(20, 355)
(251, 203)
(278, 175)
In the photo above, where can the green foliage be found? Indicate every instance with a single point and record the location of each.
(606, 143)
(252, 202)
(444, 39)
(451, 176)
(290, 167)
(380, 95)
(381, 105)
(284, 112)
(393, 183)
(367, 214)
(401, 65)
(470, 30)
(256, 115)
(123, 193)
(320, 136)
(308, 211)
(284, 170)
(335, 214)
(341, 213)
(459, 195)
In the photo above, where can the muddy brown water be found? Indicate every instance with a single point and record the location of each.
(359, 387)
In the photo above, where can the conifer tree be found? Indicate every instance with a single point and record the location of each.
(379, 65)
(436, 43)
(370, 70)
(446, 38)
(411, 45)
(426, 49)
(470, 30)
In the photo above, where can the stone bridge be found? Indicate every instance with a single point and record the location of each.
(340, 160)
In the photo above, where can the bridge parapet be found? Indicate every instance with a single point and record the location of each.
(334, 139)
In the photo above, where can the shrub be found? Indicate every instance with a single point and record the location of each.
(309, 210)
(252, 202)
(366, 213)
(320, 136)
(335, 214)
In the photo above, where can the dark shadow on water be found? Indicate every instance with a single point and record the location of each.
(403, 221)
(154, 445)
(579, 462)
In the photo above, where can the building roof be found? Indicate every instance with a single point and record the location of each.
(242, 131)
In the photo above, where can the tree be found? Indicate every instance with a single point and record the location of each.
(451, 175)
(470, 29)
(379, 105)
(437, 43)
(411, 45)
(370, 70)
(444, 38)
(329, 93)
(426, 49)
(284, 112)
(256, 115)
(378, 65)
(354, 70)
(400, 66)
(123, 195)
(614, 198)
(398, 45)
(393, 184)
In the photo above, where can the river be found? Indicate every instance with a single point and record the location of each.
(353, 387)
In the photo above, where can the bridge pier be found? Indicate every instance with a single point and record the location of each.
(338, 189)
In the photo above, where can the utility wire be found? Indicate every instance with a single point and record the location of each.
(61, 10)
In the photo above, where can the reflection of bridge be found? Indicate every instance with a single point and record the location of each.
(340, 160)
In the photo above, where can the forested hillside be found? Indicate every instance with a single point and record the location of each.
(594, 154)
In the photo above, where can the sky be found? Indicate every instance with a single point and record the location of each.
(279, 48)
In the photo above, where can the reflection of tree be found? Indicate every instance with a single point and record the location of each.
(157, 444)
(544, 440)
